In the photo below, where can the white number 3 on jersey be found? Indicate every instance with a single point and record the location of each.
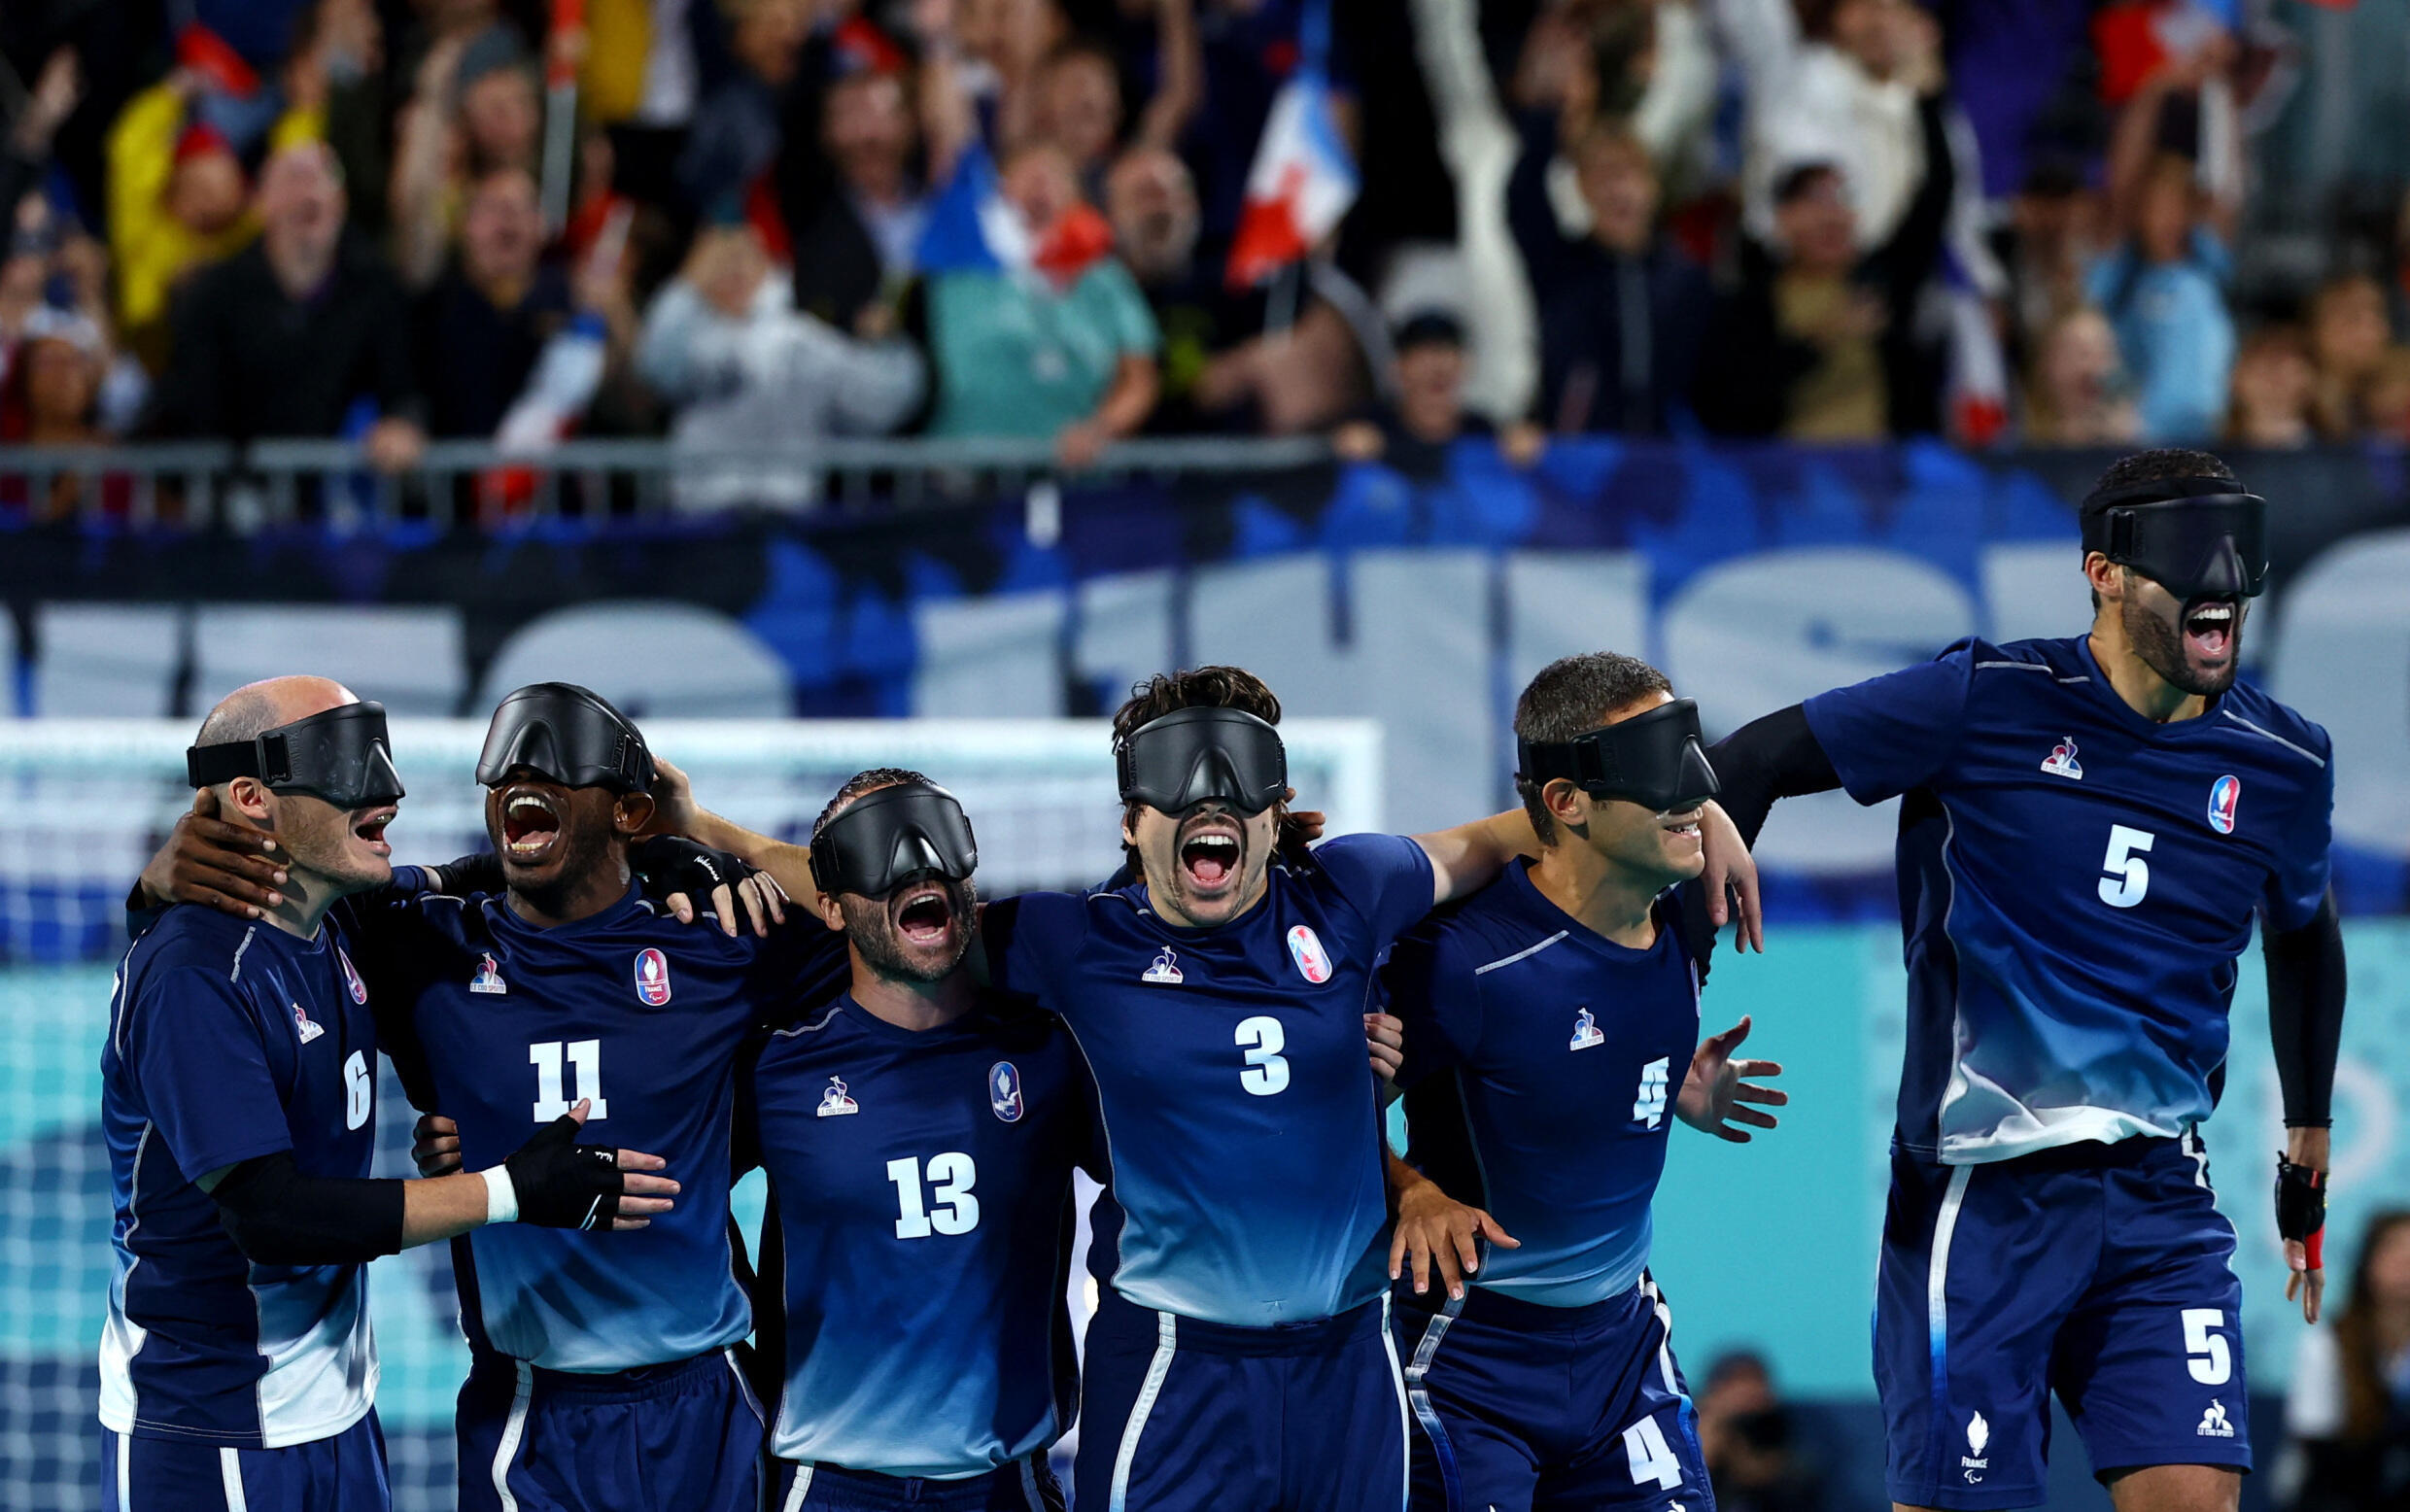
(1262, 1038)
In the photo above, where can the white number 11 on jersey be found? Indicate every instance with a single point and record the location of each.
(586, 1056)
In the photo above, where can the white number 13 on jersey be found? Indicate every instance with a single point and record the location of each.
(2126, 876)
(952, 1174)
(1266, 1072)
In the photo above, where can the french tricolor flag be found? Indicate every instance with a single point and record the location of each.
(973, 227)
(1302, 183)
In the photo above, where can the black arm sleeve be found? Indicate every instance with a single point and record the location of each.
(1766, 758)
(2305, 1014)
(474, 873)
(277, 1215)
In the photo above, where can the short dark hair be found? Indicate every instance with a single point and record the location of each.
(1804, 177)
(2158, 464)
(1570, 697)
(1199, 687)
(862, 783)
(1428, 328)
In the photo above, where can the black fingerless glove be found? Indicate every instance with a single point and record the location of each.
(671, 864)
(2301, 1208)
(561, 1184)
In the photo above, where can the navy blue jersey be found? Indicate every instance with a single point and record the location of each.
(1542, 1064)
(229, 1041)
(2076, 884)
(1239, 1115)
(922, 1185)
(504, 1026)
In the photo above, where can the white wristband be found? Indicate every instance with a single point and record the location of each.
(502, 1199)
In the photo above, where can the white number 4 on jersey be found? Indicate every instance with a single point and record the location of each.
(1649, 1108)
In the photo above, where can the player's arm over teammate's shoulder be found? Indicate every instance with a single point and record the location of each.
(1468, 857)
(198, 1048)
(1877, 738)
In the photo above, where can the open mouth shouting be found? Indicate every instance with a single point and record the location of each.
(370, 828)
(530, 826)
(923, 915)
(2210, 625)
(1211, 846)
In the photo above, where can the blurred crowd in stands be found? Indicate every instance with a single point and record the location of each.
(513, 220)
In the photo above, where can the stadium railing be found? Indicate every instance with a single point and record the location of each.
(244, 487)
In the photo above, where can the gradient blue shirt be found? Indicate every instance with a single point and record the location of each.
(1240, 1120)
(1542, 1064)
(229, 1041)
(920, 1186)
(504, 1026)
(2076, 885)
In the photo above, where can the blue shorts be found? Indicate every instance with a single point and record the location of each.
(1524, 1408)
(687, 1435)
(2100, 1272)
(1024, 1486)
(344, 1473)
(1178, 1415)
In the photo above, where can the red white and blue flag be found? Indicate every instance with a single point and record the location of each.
(1302, 183)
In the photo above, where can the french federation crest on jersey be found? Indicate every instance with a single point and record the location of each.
(1305, 947)
(1004, 1091)
(2061, 762)
(1166, 967)
(351, 977)
(835, 1100)
(305, 1026)
(1586, 1029)
(2225, 794)
(652, 976)
(488, 977)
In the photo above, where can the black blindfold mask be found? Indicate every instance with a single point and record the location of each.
(569, 734)
(1654, 760)
(2197, 537)
(1191, 755)
(342, 755)
(889, 835)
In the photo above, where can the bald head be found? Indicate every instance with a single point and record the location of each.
(254, 708)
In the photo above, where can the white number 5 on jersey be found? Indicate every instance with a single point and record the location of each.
(2127, 874)
(1262, 1038)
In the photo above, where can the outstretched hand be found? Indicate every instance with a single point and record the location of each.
(231, 867)
(1717, 1092)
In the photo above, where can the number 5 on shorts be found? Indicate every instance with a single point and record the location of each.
(2207, 1355)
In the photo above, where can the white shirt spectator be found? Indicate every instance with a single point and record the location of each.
(773, 377)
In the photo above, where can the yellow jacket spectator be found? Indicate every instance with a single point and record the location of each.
(177, 201)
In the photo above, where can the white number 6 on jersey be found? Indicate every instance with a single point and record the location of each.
(359, 1092)
(2128, 875)
(1261, 1038)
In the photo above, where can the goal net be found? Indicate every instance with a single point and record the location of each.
(83, 804)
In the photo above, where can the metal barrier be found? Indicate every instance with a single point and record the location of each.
(244, 487)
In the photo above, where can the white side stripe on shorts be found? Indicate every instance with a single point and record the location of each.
(230, 1473)
(1167, 1343)
(1936, 1278)
(1405, 1429)
(513, 1430)
(801, 1488)
(125, 1471)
